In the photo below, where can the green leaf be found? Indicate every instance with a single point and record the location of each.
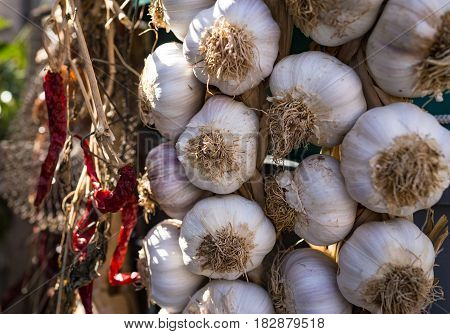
(4, 23)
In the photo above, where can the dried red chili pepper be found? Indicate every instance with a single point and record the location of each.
(84, 230)
(55, 98)
(89, 163)
(129, 220)
(86, 296)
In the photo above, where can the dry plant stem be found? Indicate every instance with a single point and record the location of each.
(226, 250)
(227, 50)
(401, 290)
(110, 33)
(435, 69)
(291, 122)
(409, 170)
(124, 63)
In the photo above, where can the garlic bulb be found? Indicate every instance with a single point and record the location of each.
(396, 159)
(225, 237)
(168, 182)
(169, 93)
(387, 267)
(169, 283)
(313, 200)
(233, 45)
(230, 297)
(408, 52)
(316, 98)
(306, 284)
(176, 15)
(219, 146)
(334, 22)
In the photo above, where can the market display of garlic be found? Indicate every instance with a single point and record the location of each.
(305, 283)
(408, 52)
(225, 237)
(396, 159)
(331, 22)
(230, 49)
(167, 280)
(230, 297)
(219, 146)
(169, 93)
(315, 98)
(313, 201)
(168, 183)
(176, 15)
(387, 267)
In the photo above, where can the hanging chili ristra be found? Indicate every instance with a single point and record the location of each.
(55, 98)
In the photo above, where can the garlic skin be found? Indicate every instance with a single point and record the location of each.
(250, 50)
(176, 15)
(309, 284)
(317, 97)
(383, 260)
(334, 22)
(169, 93)
(315, 190)
(396, 159)
(169, 185)
(230, 297)
(408, 51)
(169, 284)
(219, 146)
(225, 237)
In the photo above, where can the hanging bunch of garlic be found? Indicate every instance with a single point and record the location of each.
(305, 283)
(315, 98)
(387, 267)
(219, 146)
(396, 159)
(176, 15)
(167, 280)
(313, 201)
(231, 49)
(334, 22)
(230, 297)
(168, 182)
(225, 237)
(169, 92)
(408, 52)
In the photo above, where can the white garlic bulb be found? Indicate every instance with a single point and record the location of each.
(396, 159)
(169, 93)
(225, 237)
(230, 297)
(176, 15)
(167, 280)
(315, 98)
(334, 22)
(307, 284)
(219, 146)
(313, 199)
(168, 182)
(387, 267)
(233, 45)
(408, 52)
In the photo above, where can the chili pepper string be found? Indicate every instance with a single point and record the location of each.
(55, 98)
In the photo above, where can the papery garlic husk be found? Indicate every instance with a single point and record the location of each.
(305, 283)
(334, 22)
(396, 159)
(169, 93)
(168, 183)
(315, 98)
(387, 267)
(233, 45)
(408, 52)
(225, 237)
(230, 297)
(313, 200)
(176, 15)
(167, 280)
(219, 146)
